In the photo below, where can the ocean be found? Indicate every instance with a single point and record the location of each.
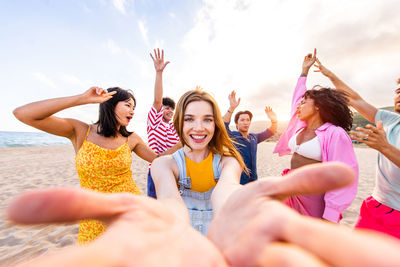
(15, 139)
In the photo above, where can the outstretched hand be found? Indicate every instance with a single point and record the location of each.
(97, 95)
(322, 68)
(158, 60)
(140, 231)
(233, 102)
(245, 235)
(271, 114)
(308, 61)
(374, 137)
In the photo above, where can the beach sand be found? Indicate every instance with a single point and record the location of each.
(26, 168)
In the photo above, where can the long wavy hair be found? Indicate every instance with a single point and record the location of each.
(333, 106)
(107, 123)
(220, 142)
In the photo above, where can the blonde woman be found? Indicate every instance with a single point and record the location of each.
(197, 178)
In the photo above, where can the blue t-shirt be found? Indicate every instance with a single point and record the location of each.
(248, 150)
(387, 185)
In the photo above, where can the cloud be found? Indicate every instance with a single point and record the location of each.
(120, 5)
(73, 80)
(113, 47)
(257, 47)
(143, 31)
(41, 77)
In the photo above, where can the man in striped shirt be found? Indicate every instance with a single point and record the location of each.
(160, 128)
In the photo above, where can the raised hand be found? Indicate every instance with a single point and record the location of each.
(262, 222)
(97, 95)
(233, 102)
(308, 61)
(374, 137)
(271, 114)
(141, 231)
(158, 60)
(322, 68)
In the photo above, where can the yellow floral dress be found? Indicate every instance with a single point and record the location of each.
(103, 170)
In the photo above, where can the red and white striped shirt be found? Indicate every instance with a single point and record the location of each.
(161, 135)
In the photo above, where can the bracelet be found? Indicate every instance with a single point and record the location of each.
(229, 111)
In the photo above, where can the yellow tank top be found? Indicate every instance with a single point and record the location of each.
(103, 170)
(201, 174)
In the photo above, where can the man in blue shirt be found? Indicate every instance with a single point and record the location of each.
(247, 142)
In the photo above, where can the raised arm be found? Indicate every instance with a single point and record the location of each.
(367, 110)
(40, 114)
(233, 103)
(159, 66)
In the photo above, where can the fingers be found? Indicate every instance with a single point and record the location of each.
(379, 125)
(67, 205)
(315, 53)
(312, 179)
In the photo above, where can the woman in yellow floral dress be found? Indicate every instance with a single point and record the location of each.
(103, 150)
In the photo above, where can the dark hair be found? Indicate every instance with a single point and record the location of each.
(107, 123)
(166, 101)
(333, 106)
(243, 112)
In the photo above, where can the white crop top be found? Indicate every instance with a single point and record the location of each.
(310, 149)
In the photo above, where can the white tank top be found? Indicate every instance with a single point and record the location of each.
(310, 149)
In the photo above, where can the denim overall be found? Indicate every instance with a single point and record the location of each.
(198, 204)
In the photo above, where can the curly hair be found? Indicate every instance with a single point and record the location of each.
(333, 106)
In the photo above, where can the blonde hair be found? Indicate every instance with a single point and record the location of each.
(220, 142)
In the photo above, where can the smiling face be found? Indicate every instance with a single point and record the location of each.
(124, 111)
(306, 109)
(168, 113)
(198, 124)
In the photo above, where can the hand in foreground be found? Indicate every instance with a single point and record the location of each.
(233, 102)
(374, 137)
(257, 221)
(97, 95)
(158, 60)
(271, 114)
(141, 231)
(308, 61)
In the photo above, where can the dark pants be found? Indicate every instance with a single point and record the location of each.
(151, 190)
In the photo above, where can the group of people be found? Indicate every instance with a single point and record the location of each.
(207, 205)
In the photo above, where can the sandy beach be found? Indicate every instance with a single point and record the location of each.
(26, 168)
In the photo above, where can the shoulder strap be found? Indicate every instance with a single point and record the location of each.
(217, 166)
(87, 134)
(179, 157)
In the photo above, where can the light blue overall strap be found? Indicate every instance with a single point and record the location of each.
(217, 166)
(183, 180)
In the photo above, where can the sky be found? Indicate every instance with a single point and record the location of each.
(52, 48)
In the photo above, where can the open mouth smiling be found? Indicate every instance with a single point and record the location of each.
(198, 138)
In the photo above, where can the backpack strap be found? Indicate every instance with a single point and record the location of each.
(183, 180)
(217, 166)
